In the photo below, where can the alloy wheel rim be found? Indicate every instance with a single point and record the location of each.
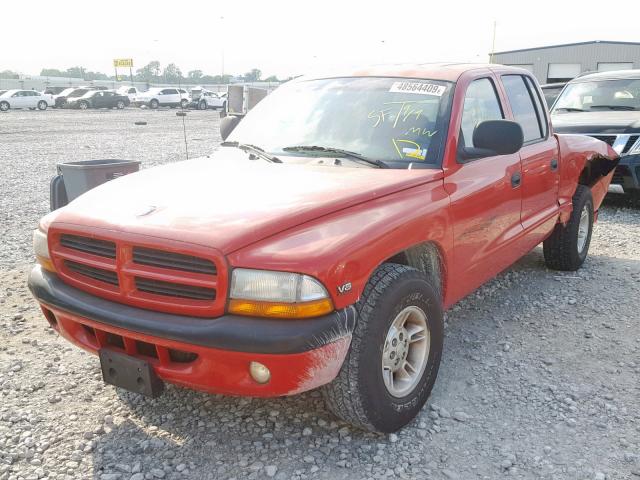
(406, 351)
(583, 229)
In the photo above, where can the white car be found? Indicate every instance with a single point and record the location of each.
(160, 97)
(25, 99)
(131, 92)
(203, 99)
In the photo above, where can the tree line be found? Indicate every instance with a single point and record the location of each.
(151, 73)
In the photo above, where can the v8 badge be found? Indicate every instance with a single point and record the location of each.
(344, 288)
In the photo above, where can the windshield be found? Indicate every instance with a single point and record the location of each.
(399, 121)
(600, 95)
(78, 93)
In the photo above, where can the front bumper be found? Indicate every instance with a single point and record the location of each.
(301, 354)
(627, 173)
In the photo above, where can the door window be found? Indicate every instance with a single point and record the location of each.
(521, 102)
(480, 104)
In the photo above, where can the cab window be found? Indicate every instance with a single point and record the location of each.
(522, 105)
(480, 104)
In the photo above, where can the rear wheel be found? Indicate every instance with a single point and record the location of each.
(120, 105)
(202, 106)
(395, 352)
(567, 247)
(184, 103)
(42, 105)
(4, 106)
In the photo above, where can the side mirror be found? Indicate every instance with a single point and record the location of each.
(227, 124)
(494, 137)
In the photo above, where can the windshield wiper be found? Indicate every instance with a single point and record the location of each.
(570, 109)
(255, 150)
(336, 151)
(613, 107)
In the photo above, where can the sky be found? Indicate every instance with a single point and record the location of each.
(287, 38)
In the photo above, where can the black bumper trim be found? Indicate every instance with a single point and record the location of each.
(229, 332)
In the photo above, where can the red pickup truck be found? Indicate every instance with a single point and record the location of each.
(320, 244)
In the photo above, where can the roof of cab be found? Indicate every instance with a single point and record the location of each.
(448, 72)
(615, 75)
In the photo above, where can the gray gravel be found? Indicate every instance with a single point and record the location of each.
(539, 378)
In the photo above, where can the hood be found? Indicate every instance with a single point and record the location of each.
(227, 201)
(597, 122)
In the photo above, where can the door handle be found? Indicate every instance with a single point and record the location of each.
(516, 180)
(554, 164)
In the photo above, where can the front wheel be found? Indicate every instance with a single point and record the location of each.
(154, 104)
(202, 106)
(4, 106)
(42, 105)
(120, 105)
(567, 247)
(395, 352)
(83, 105)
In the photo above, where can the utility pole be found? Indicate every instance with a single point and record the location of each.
(493, 43)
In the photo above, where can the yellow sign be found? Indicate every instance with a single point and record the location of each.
(123, 62)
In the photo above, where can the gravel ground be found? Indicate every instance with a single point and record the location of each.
(539, 377)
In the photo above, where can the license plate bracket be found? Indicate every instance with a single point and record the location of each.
(130, 373)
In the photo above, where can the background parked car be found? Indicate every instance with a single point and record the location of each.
(24, 99)
(98, 99)
(2, 91)
(131, 92)
(54, 90)
(157, 97)
(551, 92)
(203, 99)
(69, 93)
(606, 106)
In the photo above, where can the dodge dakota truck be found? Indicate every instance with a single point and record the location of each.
(319, 245)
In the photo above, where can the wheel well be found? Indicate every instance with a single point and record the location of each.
(594, 169)
(427, 258)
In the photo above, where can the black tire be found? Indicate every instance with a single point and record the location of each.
(83, 105)
(120, 105)
(184, 103)
(4, 106)
(154, 104)
(42, 105)
(202, 106)
(562, 249)
(358, 394)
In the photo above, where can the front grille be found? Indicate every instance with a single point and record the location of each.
(94, 246)
(175, 261)
(141, 274)
(632, 140)
(171, 289)
(608, 139)
(98, 274)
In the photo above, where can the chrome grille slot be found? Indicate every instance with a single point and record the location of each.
(95, 273)
(93, 246)
(632, 140)
(174, 261)
(608, 139)
(171, 289)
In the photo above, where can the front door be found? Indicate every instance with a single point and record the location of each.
(486, 197)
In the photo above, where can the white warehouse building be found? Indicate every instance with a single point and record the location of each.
(560, 63)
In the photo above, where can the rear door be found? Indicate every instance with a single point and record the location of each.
(539, 157)
(485, 193)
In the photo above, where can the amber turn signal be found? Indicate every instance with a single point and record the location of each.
(280, 310)
(46, 263)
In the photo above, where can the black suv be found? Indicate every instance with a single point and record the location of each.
(606, 106)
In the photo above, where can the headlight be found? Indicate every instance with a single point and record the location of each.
(267, 293)
(41, 249)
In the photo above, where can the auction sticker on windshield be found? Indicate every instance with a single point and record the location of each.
(420, 88)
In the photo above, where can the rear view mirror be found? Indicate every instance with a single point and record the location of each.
(227, 124)
(494, 137)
